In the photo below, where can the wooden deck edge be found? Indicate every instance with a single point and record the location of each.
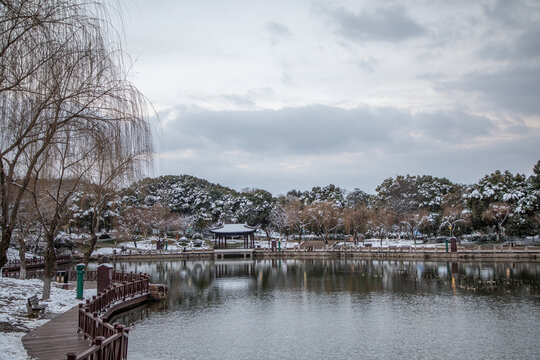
(126, 305)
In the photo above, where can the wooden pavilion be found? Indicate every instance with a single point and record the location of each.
(224, 231)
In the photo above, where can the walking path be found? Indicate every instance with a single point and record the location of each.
(56, 338)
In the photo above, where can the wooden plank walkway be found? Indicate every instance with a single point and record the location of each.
(55, 338)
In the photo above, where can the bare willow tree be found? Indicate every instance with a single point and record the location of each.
(497, 214)
(355, 221)
(414, 220)
(62, 81)
(33, 39)
(326, 217)
(380, 220)
(279, 219)
(123, 150)
(298, 217)
(28, 232)
(55, 180)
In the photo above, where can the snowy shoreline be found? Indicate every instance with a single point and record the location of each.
(14, 320)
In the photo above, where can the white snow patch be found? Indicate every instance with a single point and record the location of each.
(13, 297)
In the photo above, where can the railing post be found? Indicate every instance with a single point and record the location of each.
(99, 302)
(87, 320)
(105, 331)
(95, 325)
(81, 317)
(99, 342)
(97, 329)
(126, 339)
(121, 352)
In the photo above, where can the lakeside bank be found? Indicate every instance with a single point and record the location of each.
(477, 253)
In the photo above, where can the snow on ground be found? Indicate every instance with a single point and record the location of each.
(149, 244)
(394, 242)
(265, 244)
(105, 251)
(13, 254)
(14, 320)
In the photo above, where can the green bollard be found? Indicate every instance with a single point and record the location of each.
(446, 243)
(165, 244)
(80, 280)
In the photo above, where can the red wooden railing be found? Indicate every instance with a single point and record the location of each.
(109, 341)
(34, 262)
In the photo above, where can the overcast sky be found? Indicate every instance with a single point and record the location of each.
(284, 94)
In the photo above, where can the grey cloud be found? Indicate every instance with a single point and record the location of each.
(512, 14)
(368, 65)
(363, 164)
(392, 24)
(516, 89)
(456, 126)
(312, 129)
(528, 45)
(432, 76)
(320, 130)
(279, 150)
(496, 51)
(277, 31)
(523, 48)
(238, 100)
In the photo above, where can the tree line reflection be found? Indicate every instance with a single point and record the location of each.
(207, 283)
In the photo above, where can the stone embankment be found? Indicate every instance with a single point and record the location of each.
(475, 253)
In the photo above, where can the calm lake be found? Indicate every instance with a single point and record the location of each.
(337, 309)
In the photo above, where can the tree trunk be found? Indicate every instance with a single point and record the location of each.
(50, 258)
(46, 288)
(4, 245)
(88, 253)
(93, 237)
(325, 238)
(22, 257)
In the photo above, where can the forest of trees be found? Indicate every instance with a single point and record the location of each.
(70, 121)
(410, 207)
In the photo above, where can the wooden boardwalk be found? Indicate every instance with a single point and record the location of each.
(55, 338)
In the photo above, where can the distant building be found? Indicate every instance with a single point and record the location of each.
(224, 231)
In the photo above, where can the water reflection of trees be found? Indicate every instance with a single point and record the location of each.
(209, 283)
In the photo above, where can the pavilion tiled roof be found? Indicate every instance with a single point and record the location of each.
(233, 229)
